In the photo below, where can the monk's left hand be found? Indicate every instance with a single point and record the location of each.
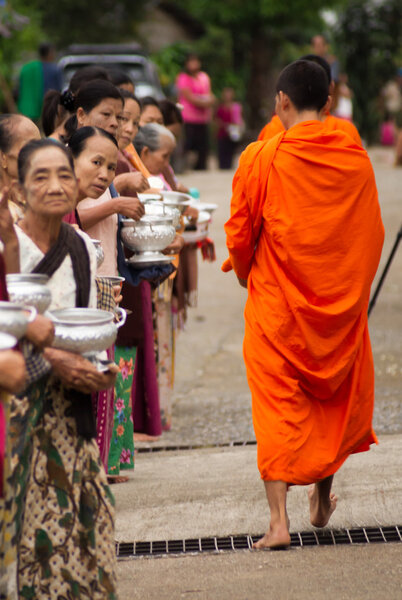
(243, 282)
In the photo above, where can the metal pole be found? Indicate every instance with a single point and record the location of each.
(385, 271)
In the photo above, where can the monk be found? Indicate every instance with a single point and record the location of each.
(275, 125)
(305, 236)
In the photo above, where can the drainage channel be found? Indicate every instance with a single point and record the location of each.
(326, 537)
(149, 449)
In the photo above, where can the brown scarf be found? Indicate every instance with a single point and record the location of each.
(69, 242)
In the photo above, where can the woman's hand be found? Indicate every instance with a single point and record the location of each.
(12, 371)
(117, 293)
(176, 246)
(130, 207)
(76, 372)
(192, 213)
(40, 332)
(130, 183)
(242, 282)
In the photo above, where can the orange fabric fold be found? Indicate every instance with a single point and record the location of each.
(331, 123)
(306, 230)
(273, 127)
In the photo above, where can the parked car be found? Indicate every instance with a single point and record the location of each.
(129, 57)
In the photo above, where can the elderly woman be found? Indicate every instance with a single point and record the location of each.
(15, 132)
(155, 144)
(67, 531)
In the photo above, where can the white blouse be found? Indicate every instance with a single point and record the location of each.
(62, 283)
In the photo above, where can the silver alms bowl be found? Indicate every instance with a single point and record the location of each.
(176, 200)
(151, 233)
(85, 330)
(31, 289)
(7, 341)
(14, 318)
(161, 209)
(100, 255)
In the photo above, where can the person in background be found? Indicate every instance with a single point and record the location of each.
(121, 79)
(194, 94)
(320, 47)
(36, 78)
(150, 111)
(173, 120)
(229, 120)
(15, 132)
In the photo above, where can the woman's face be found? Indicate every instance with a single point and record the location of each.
(105, 115)
(129, 123)
(50, 187)
(22, 132)
(151, 114)
(95, 167)
(158, 160)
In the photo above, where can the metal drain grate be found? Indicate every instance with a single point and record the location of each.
(326, 537)
(149, 449)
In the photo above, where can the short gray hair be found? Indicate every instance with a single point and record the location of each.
(149, 136)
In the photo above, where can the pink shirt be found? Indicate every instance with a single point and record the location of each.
(199, 85)
(106, 232)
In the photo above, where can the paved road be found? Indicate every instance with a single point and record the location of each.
(212, 406)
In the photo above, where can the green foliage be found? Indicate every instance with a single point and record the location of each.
(66, 22)
(369, 41)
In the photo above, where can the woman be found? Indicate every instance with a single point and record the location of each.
(67, 531)
(59, 107)
(155, 144)
(150, 111)
(230, 125)
(129, 180)
(194, 89)
(95, 156)
(15, 131)
(100, 104)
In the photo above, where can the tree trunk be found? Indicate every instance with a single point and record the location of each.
(261, 90)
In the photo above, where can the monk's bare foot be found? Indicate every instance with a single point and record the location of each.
(117, 479)
(320, 509)
(277, 538)
(144, 437)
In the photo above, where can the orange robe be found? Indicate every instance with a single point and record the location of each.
(306, 232)
(272, 128)
(275, 126)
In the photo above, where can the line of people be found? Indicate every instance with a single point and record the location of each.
(67, 430)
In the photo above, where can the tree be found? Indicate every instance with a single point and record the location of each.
(369, 40)
(66, 22)
(258, 33)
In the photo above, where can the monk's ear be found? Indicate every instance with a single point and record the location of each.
(327, 106)
(285, 101)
